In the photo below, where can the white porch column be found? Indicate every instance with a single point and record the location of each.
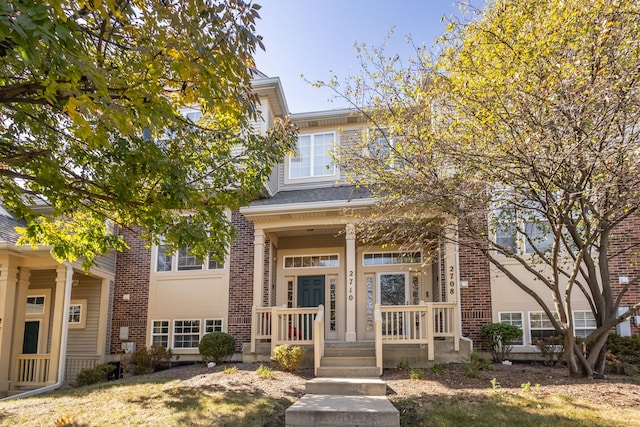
(451, 264)
(351, 282)
(8, 290)
(258, 266)
(58, 321)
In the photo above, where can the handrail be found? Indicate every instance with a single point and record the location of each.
(377, 319)
(318, 339)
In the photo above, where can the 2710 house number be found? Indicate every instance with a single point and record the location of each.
(350, 285)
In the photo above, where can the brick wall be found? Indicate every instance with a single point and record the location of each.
(241, 280)
(475, 300)
(625, 261)
(132, 277)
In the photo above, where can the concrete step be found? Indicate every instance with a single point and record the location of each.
(350, 344)
(349, 352)
(347, 386)
(348, 361)
(348, 371)
(338, 411)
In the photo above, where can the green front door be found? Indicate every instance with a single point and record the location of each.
(31, 334)
(310, 294)
(310, 291)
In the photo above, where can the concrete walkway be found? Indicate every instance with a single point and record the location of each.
(341, 402)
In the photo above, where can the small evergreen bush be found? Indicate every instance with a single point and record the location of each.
(216, 347)
(288, 357)
(416, 374)
(97, 374)
(500, 336)
(145, 361)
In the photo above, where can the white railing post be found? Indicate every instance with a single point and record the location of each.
(275, 331)
(456, 328)
(318, 339)
(431, 353)
(254, 328)
(377, 316)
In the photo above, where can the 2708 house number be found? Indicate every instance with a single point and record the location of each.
(452, 283)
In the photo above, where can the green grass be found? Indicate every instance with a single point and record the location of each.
(145, 403)
(508, 409)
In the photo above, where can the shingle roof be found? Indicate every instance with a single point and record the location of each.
(326, 194)
(8, 228)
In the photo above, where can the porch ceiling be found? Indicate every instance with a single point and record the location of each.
(309, 231)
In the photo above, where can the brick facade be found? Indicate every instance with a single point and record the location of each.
(132, 278)
(624, 262)
(241, 280)
(475, 300)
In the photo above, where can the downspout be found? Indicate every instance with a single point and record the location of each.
(63, 341)
(463, 338)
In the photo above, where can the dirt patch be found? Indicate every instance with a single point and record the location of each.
(615, 390)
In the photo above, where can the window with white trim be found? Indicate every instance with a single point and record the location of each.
(35, 304)
(388, 258)
(160, 333)
(583, 323)
(384, 146)
(504, 229)
(77, 314)
(539, 237)
(212, 325)
(184, 260)
(311, 261)
(540, 327)
(313, 156)
(513, 318)
(186, 333)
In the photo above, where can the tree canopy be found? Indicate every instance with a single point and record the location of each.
(523, 136)
(92, 101)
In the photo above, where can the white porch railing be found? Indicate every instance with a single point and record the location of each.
(318, 339)
(284, 325)
(416, 324)
(33, 369)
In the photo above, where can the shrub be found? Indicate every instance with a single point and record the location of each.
(230, 370)
(216, 346)
(265, 373)
(470, 371)
(97, 374)
(288, 357)
(416, 374)
(403, 365)
(627, 349)
(551, 349)
(500, 336)
(437, 368)
(145, 361)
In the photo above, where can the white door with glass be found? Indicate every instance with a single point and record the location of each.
(393, 289)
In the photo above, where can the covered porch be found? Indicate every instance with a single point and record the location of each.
(43, 305)
(315, 285)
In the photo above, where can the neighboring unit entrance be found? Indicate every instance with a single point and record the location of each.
(310, 291)
(31, 335)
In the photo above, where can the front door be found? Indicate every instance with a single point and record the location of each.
(310, 291)
(31, 336)
(310, 294)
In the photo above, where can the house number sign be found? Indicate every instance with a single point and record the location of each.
(350, 293)
(452, 282)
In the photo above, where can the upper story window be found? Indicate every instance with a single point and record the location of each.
(512, 228)
(184, 260)
(313, 156)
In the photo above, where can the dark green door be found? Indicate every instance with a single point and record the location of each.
(310, 291)
(310, 294)
(31, 333)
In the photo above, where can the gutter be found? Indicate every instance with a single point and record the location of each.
(305, 207)
(63, 342)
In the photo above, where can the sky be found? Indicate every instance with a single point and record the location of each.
(316, 38)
